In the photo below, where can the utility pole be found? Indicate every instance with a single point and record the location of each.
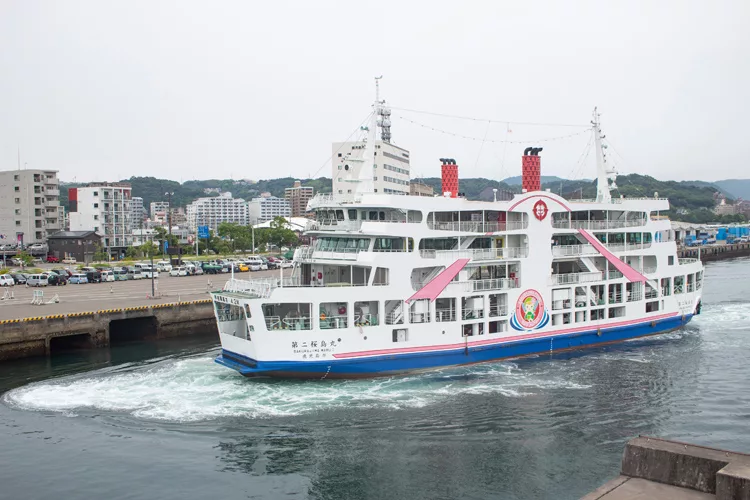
(169, 224)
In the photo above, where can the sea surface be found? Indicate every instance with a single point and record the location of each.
(163, 421)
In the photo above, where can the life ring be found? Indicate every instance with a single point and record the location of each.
(342, 310)
(322, 317)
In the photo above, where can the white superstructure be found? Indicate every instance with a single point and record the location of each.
(394, 283)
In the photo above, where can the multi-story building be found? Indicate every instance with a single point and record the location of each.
(29, 205)
(391, 171)
(217, 209)
(137, 212)
(297, 196)
(159, 211)
(105, 208)
(420, 189)
(268, 207)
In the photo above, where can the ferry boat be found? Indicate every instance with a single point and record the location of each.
(393, 284)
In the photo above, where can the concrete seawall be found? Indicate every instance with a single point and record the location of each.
(658, 468)
(715, 252)
(43, 335)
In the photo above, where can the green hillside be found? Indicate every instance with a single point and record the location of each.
(693, 200)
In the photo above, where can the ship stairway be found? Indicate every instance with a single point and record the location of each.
(418, 282)
(395, 314)
(587, 265)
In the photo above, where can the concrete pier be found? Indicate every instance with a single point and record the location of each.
(715, 252)
(660, 469)
(43, 335)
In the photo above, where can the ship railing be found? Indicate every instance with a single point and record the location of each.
(684, 261)
(322, 199)
(613, 275)
(569, 278)
(615, 298)
(597, 224)
(624, 247)
(477, 254)
(366, 319)
(333, 225)
(498, 311)
(472, 314)
(229, 316)
(310, 253)
(571, 250)
(334, 322)
(443, 315)
(635, 296)
(477, 226)
(486, 284)
(288, 323)
(651, 294)
(417, 317)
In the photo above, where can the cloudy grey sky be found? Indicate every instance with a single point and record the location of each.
(102, 90)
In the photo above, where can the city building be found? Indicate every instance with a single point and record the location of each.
(723, 208)
(268, 207)
(297, 196)
(29, 205)
(159, 211)
(420, 189)
(80, 245)
(105, 208)
(391, 171)
(137, 212)
(217, 209)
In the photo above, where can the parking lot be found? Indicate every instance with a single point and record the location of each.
(96, 296)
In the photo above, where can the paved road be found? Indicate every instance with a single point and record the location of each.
(96, 296)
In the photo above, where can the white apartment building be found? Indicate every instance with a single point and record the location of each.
(391, 172)
(267, 208)
(159, 211)
(105, 208)
(214, 210)
(29, 206)
(137, 212)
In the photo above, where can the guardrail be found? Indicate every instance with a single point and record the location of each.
(477, 254)
(477, 226)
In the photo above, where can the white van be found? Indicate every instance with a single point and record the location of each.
(149, 272)
(107, 276)
(37, 280)
(254, 263)
(163, 266)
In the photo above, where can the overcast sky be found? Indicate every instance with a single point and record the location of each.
(102, 90)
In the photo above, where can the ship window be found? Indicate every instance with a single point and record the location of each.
(381, 276)
(652, 306)
(670, 260)
(288, 316)
(394, 312)
(339, 215)
(333, 315)
(498, 326)
(400, 334)
(366, 313)
(666, 286)
(373, 215)
(445, 309)
(419, 311)
(352, 214)
(679, 282)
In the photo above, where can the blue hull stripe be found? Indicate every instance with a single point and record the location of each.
(401, 363)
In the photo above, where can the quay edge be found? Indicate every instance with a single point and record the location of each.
(43, 335)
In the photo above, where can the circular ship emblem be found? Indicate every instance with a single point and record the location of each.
(540, 210)
(530, 313)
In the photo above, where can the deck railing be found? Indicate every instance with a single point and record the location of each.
(442, 315)
(477, 226)
(472, 313)
(477, 253)
(597, 224)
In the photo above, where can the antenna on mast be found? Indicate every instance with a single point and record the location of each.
(604, 173)
(383, 113)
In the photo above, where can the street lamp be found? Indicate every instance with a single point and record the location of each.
(169, 195)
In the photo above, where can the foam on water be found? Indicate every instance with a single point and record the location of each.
(194, 389)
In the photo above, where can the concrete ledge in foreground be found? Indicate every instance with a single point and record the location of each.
(660, 469)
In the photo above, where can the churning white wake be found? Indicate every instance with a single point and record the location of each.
(196, 388)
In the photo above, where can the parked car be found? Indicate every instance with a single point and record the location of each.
(211, 268)
(178, 271)
(78, 279)
(51, 259)
(37, 280)
(69, 260)
(149, 272)
(19, 278)
(273, 262)
(163, 266)
(55, 279)
(241, 267)
(134, 274)
(255, 264)
(264, 264)
(65, 272)
(286, 264)
(7, 280)
(94, 277)
(108, 275)
(120, 274)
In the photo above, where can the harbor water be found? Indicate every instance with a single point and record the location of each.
(162, 420)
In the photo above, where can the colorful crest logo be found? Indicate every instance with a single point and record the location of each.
(530, 313)
(540, 210)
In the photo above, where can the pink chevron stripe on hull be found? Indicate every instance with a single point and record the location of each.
(436, 286)
(627, 271)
